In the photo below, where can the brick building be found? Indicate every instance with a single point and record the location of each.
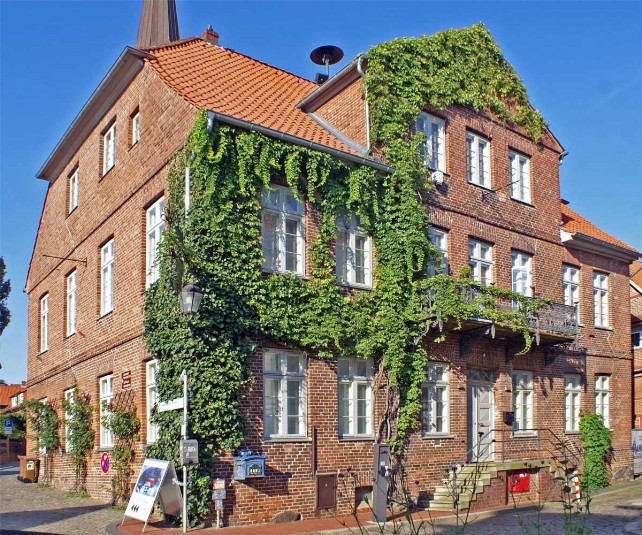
(103, 216)
(636, 341)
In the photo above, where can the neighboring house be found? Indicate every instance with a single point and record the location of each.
(11, 395)
(496, 208)
(636, 340)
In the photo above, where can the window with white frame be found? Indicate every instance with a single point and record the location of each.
(353, 253)
(520, 177)
(433, 149)
(435, 417)
(480, 259)
(521, 273)
(571, 285)
(155, 227)
(439, 238)
(109, 148)
(602, 397)
(71, 303)
(284, 394)
(107, 278)
(478, 160)
(354, 377)
(636, 339)
(572, 395)
(106, 390)
(150, 387)
(135, 126)
(282, 231)
(601, 299)
(70, 399)
(73, 191)
(523, 400)
(44, 323)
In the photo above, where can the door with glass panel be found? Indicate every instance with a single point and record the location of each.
(480, 415)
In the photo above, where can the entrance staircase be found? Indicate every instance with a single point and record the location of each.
(462, 486)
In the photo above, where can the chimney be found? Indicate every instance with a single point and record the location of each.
(210, 36)
(158, 23)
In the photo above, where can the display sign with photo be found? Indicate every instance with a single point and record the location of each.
(637, 451)
(155, 475)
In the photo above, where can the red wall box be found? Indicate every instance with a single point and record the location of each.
(519, 482)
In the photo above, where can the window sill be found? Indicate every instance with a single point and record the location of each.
(276, 440)
(104, 448)
(67, 337)
(275, 272)
(603, 328)
(572, 433)
(43, 351)
(524, 434)
(436, 436)
(354, 285)
(72, 211)
(135, 144)
(105, 173)
(526, 203)
(363, 438)
(105, 314)
(487, 188)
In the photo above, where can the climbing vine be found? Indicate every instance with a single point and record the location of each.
(79, 437)
(218, 245)
(122, 421)
(596, 441)
(44, 428)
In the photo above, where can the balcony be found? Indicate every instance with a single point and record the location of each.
(490, 314)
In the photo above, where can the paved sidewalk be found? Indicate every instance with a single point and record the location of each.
(616, 510)
(30, 508)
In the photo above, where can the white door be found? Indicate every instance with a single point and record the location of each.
(480, 415)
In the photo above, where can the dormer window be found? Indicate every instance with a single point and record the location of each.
(433, 149)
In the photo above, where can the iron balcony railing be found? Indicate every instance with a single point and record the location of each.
(554, 318)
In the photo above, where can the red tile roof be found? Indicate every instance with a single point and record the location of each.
(7, 392)
(574, 222)
(219, 79)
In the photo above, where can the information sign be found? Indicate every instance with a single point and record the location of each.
(189, 452)
(637, 451)
(8, 426)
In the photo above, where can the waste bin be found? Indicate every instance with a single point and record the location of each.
(29, 467)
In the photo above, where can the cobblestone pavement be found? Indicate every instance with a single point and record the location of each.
(29, 508)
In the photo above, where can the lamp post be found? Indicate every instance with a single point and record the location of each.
(190, 299)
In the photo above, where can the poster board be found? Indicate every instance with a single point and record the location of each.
(157, 479)
(637, 451)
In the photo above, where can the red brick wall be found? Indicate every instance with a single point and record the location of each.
(347, 111)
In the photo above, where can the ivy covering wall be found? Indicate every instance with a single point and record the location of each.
(218, 245)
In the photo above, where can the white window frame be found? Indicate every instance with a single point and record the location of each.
(603, 396)
(288, 368)
(636, 339)
(437, 384)
(71, 302)
(354, 378)
(44, 323)
(523, 401)
(439, 266)
(571, 286)
(281, 247)
(433, 149)
(572, 402)
(522, 273)
(155, 225)
(151, 369)
(109, 149)
(70, 397)
(73, 191)
(106, 390)
(520, 177)
(478, 160)
(135, 128)
(107, 278)
(348, 255)
(480, 259)
(601, 299)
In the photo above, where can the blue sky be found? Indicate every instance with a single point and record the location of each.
(581, 63)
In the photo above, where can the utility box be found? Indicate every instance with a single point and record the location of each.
(509, 417)
(380, 482)
(519, 482)
(189, 452)
(248, 465)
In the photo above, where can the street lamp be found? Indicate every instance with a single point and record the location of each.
(190, 299)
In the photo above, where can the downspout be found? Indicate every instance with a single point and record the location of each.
(365, 94)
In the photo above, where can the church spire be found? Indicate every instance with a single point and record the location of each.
(158, 23)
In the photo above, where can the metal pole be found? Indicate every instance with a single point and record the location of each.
(185, 520)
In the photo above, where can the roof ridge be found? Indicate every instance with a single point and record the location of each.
(170, 45)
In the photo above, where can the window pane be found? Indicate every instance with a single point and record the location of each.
(291, 245)
(293, 404)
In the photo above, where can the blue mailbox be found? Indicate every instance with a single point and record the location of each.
(248, 464)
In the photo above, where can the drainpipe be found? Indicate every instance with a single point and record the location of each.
(365, 92)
